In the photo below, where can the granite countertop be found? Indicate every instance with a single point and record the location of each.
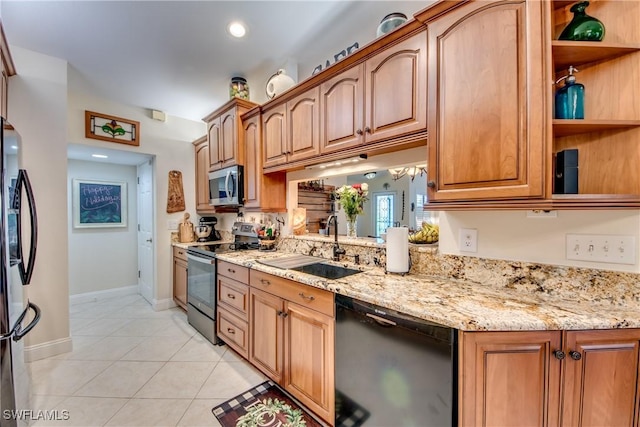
(465, 305)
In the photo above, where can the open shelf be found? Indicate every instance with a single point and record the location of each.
(563, 127)
(567, 53)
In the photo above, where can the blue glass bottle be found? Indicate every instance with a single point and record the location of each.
(570, 97)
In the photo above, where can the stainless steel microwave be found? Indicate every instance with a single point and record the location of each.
(226, 186)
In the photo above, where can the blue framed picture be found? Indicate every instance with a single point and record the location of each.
(99, 204)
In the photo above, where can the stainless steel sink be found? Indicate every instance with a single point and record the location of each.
(328, 271)
(310, 265)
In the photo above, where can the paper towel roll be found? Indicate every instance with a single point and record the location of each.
(397, 249)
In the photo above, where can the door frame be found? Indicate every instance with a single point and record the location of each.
(152, 298)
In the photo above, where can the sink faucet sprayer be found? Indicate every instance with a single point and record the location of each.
(337, 251)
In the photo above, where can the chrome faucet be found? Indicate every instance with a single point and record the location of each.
(337, 251)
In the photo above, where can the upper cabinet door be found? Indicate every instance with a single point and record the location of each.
(214, 144)
(228, 138)
(396, 94)
(274, 136)
(341, 109)
(487, 102)
(303, 114)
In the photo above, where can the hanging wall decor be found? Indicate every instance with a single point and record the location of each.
(99, 203)
(111, 128)
(175, 198)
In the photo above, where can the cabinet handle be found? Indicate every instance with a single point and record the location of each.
(180, 253)
(431, 184)
(231, 296)
(559, 354)
(283, 314)
(231, 331)
(575, 355)
(310, 297)
(367, 129)
(359, 131)
(231, 270)
(265, 282)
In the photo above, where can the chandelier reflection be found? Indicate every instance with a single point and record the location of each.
(412, 171)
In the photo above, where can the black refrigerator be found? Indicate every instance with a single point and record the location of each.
(18, 242)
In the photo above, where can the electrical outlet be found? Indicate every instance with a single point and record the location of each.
(172, 224)
(468, 240)
(614, 249)
(539, 213)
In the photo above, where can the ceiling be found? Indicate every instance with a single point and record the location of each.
(176, 56)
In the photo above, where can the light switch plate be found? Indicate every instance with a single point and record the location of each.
(172, 224)
(609, 248)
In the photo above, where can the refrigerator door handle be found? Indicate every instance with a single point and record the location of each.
(23, 182)
(17, 332)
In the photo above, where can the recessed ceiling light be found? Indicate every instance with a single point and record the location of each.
(236, 29)
(99, 156)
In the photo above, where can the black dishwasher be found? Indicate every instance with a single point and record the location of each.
(393, 369)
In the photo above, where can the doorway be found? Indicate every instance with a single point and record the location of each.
(146, 270)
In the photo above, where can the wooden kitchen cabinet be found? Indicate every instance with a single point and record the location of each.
(513, 378)
(383, 98)
(180, 276)
(487, 99)
(232, 302)
(225, 136)
(262, 192)
(292, 129)
(201, 146)
(7, 68)
(292, 336)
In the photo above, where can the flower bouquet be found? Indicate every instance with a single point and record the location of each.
(351, 199)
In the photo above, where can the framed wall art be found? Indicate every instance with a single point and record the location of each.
(111, 128)
(99, 204)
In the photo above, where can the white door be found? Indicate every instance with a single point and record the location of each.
(146, 241)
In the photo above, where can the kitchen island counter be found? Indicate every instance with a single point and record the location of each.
(464, 304)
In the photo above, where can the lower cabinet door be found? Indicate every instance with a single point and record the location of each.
(309, 357)
(180, 282)
(509, 378)
(267, 333)
(233, 331)
(601, 385)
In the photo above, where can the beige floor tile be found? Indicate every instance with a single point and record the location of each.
(177, 380)
(179, 327)
(150, 412)
(231, 356)
(199, 349)
(156, 349)
(229, 379)
(79, 342)
(142, 327)
(84, 411)
(63, 377)
(102, 327)
(199, 413)
(122, 379)
(108, 348)
(43, 402)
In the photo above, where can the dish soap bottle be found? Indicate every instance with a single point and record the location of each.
(570, 97)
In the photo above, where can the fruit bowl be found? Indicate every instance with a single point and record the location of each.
(429, 233)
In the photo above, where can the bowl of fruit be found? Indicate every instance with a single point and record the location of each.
(428, 233)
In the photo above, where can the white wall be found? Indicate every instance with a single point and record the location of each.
(38, 111)
(103, 258)
(170, 142)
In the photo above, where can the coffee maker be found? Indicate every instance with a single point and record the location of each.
(206, 229)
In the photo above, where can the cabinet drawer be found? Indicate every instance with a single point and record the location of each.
(233, 331)
(180, 253)
(233, 296)
(233, 271)
(304, 295)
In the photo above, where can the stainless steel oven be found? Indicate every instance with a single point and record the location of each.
(201, 293)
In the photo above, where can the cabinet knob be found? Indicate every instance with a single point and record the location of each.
(367, 129)
(231, 270)
(559, 354)
(575, 355)
(231, 331)
(283, 314)
(359, 131)
(265, 282)
(431, 184)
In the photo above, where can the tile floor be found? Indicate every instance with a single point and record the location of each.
(132, 366)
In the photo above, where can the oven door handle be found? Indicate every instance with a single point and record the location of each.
(208, 261)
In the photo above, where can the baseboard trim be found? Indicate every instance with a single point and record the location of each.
(163, 304)
(99, 295)
(47, 349)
